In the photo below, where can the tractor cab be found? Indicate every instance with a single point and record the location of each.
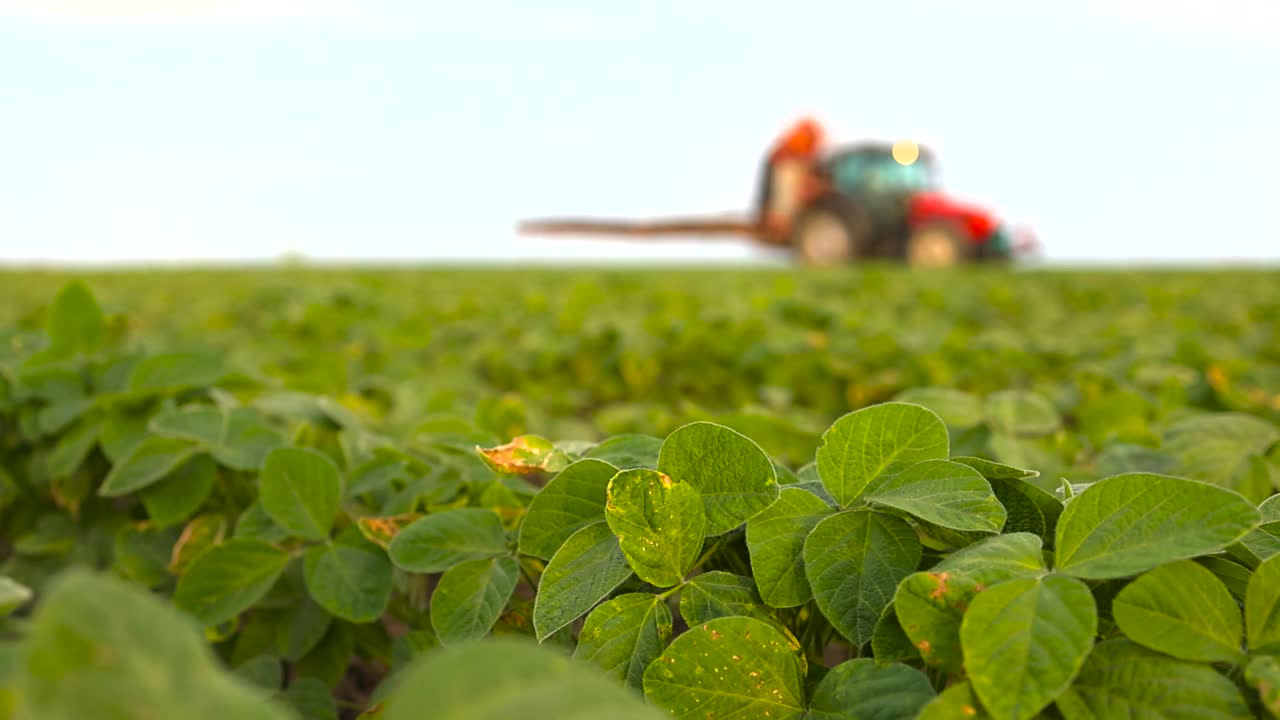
(872, 169)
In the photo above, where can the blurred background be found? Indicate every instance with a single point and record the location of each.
(245, 130)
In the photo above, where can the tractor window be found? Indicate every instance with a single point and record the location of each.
(875, 173)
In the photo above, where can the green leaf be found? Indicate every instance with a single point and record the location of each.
(301, 628)
(957, 702)
(75, 322)
(73, 447)
(623, 635)
(659, 524)
(1216, 449)
(1270, 513)
(329, 660)
(573, 499)
(861, 689)
(1263, 673)
(1122, 679)
(994, 470)
(1234, 576)
(958, 409)
(1016, 556)
(1021, 412)
(255, 524)
(1128, 524)
(1181, 609)
(854, 562)
(941, 492)
(719, 594)
(228, 579)
(301, 490)
(170, 372)
(735, 478)
(179, 495)
(889, 643)
(147, 464)
(436, 542)
(312, 698)
(1030, 508)
(263, 671)
(470, 597)
(101, 648)
(1123, 458)
(930, 607)
(586, 568)
(197, 423)
(141, 553)
(247, 440)
(1262, 608)
(13, 595)
(875, 443)
(775, 540)
(629, 451)
(1025, 640)
(733, 667)
(1255, 547)
(505, 678)
(352, 583)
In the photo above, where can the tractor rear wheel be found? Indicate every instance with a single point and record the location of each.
(832, 231)
(935, 245)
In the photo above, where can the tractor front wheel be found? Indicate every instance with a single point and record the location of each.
(937, 245)
(831, 231)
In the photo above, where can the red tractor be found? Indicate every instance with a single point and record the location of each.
(870, 200)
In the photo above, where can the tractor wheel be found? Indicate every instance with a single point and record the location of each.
(832, 231)
(937, 245)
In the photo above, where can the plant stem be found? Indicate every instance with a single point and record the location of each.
(712, 551)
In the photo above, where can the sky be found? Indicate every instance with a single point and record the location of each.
(148, 130)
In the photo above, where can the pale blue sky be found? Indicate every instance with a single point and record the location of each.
(144, 130)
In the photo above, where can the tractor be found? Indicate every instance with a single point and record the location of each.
(833, 206)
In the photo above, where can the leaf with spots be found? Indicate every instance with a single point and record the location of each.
(1181, 609)
(574, 499)
(775, 540)
(660, 524)
(470, 598)
(876, 443)
(930, 607)
(735, 667)
(586, 568)
(525, 454)
(733, 475)
(863, 689)
(1263, 673)
(854, 562)
(1014, 556)
(1025, 640)
(623, 635)
(957, 702)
